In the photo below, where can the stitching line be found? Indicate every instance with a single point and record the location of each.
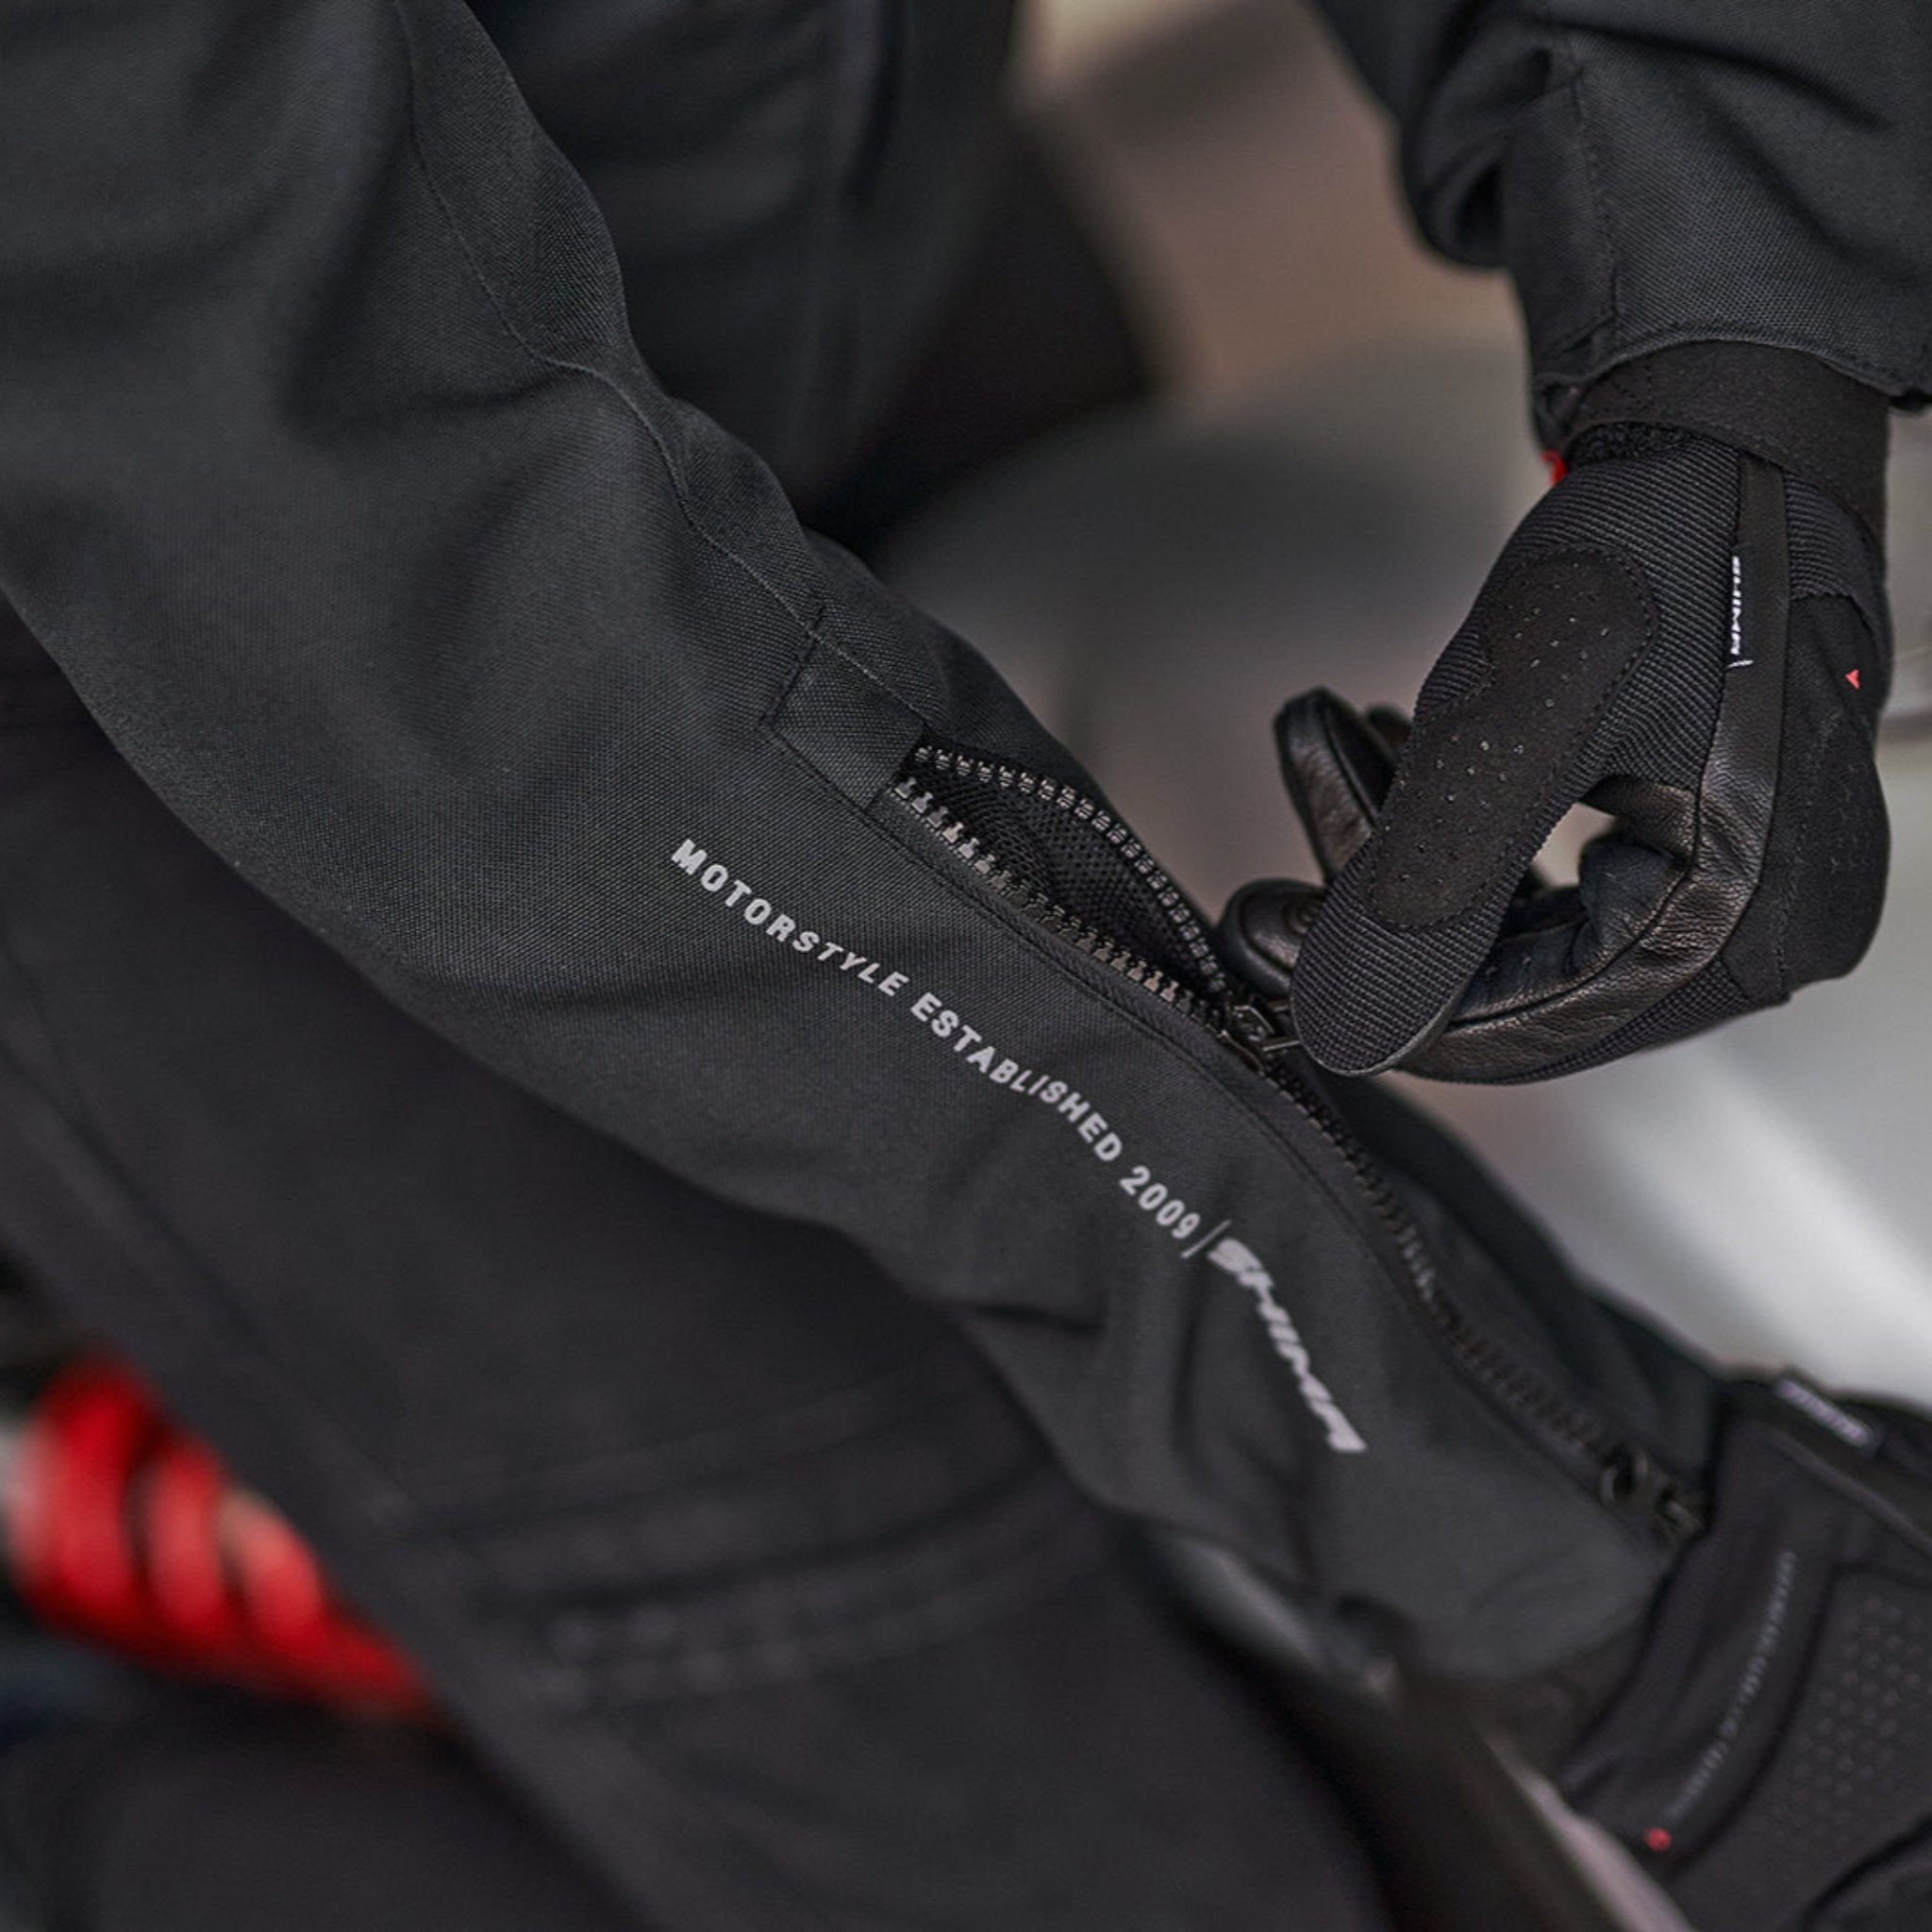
(680, 489)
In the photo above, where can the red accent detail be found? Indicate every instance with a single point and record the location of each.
(1658, 1839)
(1852, 679)
(1559, 469)
(125, 1531)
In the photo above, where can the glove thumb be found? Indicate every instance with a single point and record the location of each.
(1337, 766)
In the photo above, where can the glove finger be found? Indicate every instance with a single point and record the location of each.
(1554, 941)
(1503, 746)
(1264, 923)
(1569, 968)
(1390, 725)
(1262, 930)
(1338, 765)
(1337, 769)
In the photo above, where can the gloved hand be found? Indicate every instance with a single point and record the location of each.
(1689, 632)
(1767, 1757)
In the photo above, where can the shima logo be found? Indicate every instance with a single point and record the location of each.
(1239, 1260)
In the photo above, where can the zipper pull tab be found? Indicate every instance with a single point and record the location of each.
(1260, 1030)
(1633, 1484)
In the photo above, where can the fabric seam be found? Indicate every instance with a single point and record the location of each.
(680, 489)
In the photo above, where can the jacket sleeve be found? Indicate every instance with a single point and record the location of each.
(1655, 173)
(792, 190)
(331, 476)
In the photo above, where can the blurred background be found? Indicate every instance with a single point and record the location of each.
(1249, 181)
(1343, 448)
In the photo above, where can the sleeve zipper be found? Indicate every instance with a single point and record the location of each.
(1623, 1477)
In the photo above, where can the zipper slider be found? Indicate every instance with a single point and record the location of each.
(1633, 1484)
(1258, 1030)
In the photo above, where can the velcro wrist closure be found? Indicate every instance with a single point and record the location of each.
(1788, 407)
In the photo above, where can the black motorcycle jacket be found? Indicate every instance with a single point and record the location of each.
(331, 476)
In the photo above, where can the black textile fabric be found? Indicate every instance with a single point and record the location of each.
(1766, 1759)
(794, 193)
(186, 1812)
(1741, 171)
(736, 1562)
(331, 479)
(1792, 410)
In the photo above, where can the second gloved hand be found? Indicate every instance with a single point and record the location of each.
(1689, 632)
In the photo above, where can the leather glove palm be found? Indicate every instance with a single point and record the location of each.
(1691, 636)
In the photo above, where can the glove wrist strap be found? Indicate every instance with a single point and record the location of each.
(1790, 408)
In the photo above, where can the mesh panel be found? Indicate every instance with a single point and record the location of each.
(1894, 1896)
(1851, 1778)
(1077, 853)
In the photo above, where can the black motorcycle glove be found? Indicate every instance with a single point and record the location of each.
(1689, 632)
(1769, 1757)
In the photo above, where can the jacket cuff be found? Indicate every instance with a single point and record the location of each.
(1788, 407)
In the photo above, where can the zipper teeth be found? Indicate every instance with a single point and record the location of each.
(1585, 1440)
(1168, 896)
(972, 851)
(1579, 1437)
(1519, 1387)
